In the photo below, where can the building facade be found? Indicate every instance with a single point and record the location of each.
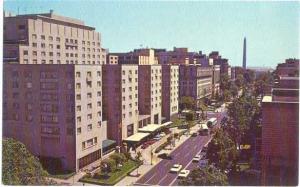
(120, 100)
(150, 91)
(50, 39)
(280, 134)
(56, 111)
(138, 56)
(170, 91)
(195, 81)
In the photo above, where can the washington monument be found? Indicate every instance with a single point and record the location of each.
(244, 54)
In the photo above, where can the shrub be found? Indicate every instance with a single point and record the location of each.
(127, 156)
(161, 147)
(190, 116)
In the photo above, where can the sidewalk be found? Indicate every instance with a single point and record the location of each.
(143, 169)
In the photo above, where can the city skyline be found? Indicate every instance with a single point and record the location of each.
(275, 40)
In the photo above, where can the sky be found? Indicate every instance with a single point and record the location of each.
(271, 28)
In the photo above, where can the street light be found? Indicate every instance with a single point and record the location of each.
(151, 154)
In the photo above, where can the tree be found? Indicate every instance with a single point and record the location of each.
(234, 90)
(208, 176)
(187, 103)
(226, 95)
(104, 167)
(222, 150)
(224, 82)
(190, 116)
(239, 81)
(138, 159)
(118, 158)
(19, 166)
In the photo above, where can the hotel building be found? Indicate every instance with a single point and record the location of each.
(170, 91)
(50, 39)
(120, 100)
(56, 111)
(150, 91)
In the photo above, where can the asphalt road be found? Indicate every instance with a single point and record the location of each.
(160, 175)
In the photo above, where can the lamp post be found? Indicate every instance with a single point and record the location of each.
(151, 154)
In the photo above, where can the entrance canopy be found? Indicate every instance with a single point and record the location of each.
(150, 128)
(137, 137)
(167, 123)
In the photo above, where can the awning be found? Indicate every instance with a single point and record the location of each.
(167, 123)
(107, 143)
(137, 137)
(150, 128)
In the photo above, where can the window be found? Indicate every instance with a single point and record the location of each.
(21, 27)
(99, 94)
(79, 130)
(34, 44)
(43, 53)
(28, 85)
(58, 54)
(50, 38)
(99, 123)
(89, 127)
(50, 53)
(34, 53)
(25, 52)
(95, 140)
(43, 37)
(43, 45)
(51, 46)
(57, 46)
(77, 74)
(78, 119)
(89, 116)
(83, 145)
(99, 103)
(78, 86)
(98, 83)
(89, 95)
(98, 73)
(89, 106)
(78, 97)
(34, 36)
(25, 61)
(78, 108)
(57, 39)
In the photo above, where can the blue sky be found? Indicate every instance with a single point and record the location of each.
(271, 28)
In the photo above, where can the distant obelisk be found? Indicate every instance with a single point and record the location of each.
(244, 54)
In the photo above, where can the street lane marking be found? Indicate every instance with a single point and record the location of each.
(189, 163)
(150, 178)
(162, 178)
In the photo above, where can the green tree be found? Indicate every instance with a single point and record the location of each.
(187, 103)
(208, 176)
(190, 116)
(19, 166)
(239, 81)
(138, 158)
(224, 82)
(118, 158)
(234, 90)
(222, 150)
(226, 95)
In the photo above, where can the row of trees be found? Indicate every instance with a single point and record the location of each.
(20, 167)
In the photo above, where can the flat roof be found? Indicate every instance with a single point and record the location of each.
(137, 137)
(150, 128)
(267, 98)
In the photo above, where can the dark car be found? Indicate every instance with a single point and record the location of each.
(164, 156)
(194, 134)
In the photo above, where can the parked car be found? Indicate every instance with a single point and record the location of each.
(157, 137)
(203, 163)
(204, 149)
(194, 134)
(183, 173)
(197, 158)
(176, 168)
(165, 156)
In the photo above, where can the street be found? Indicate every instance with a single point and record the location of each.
(160, 175)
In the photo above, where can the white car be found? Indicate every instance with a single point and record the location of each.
(176, 168)
(197, 158)
(183, 173)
